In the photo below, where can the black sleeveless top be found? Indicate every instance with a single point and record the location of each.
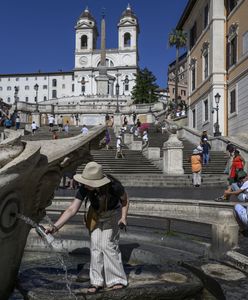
(112, 192)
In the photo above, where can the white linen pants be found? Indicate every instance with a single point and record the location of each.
(196, 178)
(106, 263)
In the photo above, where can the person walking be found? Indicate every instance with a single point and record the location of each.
(33, 127)
(196, 167)
(51, 121)
(119, 148)
(107, 214)
(60, 123)
(134, 117)
(205, 151)
(238, 164)
(66, 127)
(17, 122)
(107, 138)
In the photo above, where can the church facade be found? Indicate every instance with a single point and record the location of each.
(79, 88)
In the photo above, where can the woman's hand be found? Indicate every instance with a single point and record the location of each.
(52, 229)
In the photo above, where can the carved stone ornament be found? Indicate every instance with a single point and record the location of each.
(205, 47)
(233, 31)
(192, 63)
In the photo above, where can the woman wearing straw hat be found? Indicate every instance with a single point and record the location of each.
(107, 214)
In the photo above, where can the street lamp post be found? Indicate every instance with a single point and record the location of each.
(36, 87)
(16, 96)
(216, 125)
(117, 87)
(150, 100)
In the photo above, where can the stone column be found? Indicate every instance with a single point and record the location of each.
(36, 118)
(173, 156)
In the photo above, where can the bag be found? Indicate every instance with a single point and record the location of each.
(91, 219)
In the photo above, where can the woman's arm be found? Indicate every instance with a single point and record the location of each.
(124, 208)
(67, 214)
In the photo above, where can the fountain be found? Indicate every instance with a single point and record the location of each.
(29, 174)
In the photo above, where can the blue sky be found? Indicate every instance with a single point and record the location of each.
(40, 34)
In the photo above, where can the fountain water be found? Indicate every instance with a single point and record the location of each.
(49, 240)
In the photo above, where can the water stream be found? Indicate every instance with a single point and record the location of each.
(48, 239)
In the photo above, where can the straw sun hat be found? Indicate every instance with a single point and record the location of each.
(92, 175)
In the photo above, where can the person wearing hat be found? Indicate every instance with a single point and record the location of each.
(238, 189)
(107, 214)
(196, 167)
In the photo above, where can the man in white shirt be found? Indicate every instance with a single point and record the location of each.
(50, 122)
(239, 189)
(84, 130)
(145, 139)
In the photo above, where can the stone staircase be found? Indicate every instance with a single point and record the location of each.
(217, 158)
(136, 170)
(43, 133)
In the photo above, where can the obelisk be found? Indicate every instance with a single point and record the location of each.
(103, 79)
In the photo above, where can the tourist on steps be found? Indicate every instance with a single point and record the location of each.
(196, 167)
(106, 215)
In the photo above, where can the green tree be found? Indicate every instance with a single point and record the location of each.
(145, 87)
(177, 38)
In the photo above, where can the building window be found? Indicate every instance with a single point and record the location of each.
(126, 83)
(26, 87)
(1, 88)
(245, 42)
(45, 98)
(72, 77)
(54, 94)
(17, 79)
(206, 110)
(26, 99)
(8, 79)
(193, 118)
(26, 78)
(127, 39)
(54, 82)
(233, 101)
(232, 45)
(232, 4)
(183, 93)
(192, 67)
(8, 99)
(233, 51)
(193, 32)
(84, 42)
(45, 78)
(83, 88)
(73, 87)
(205, 59)
(44, 87)
(206, 16)
(63, 86)
(8, 88)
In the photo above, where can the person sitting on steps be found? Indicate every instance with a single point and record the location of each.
(238, 189)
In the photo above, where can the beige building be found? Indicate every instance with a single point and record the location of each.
(182, 78)
(217, 64)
